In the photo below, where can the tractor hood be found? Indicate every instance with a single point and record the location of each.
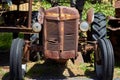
(62, 13)
(61, 32)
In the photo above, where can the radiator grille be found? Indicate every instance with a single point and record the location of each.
(52, 35)
(69, 35)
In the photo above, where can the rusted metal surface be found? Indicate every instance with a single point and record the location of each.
(117, 12)
(17, 21)
(89, 46)
(114, 28)
(68, 54)
(117, 4)
(79, 59)
(41, 15)
(114, 24)
(17, 2)
(26, 51)
(117, 9)
(29, 14)
(16, 29)
(36, 48)
(61, 36)
(67, 13)
(14, 18)
(61, 33)
(114, 36)
(58, 56)
(90, 15)
(21, 7)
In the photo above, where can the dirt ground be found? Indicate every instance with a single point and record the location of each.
(50, 70)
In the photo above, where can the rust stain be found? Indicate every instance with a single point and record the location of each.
(52, 14)
(66, 16)
(117, 4)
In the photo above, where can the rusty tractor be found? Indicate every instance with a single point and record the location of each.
(114, 27)
(58, 33)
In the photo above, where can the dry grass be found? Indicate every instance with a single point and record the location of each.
(47, 70)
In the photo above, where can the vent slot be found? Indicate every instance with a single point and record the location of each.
(52, 35)
(70, 35)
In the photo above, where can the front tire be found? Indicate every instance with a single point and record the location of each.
(17, 69)
(110, 59)
(104, 60)
(101, 60)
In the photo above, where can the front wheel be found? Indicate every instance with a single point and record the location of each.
(110, 62)
(104, 60)
(17, 68)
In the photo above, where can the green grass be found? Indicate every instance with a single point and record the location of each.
(117, 67)
(3, 73)
(5, 40)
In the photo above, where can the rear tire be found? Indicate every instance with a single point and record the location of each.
(99, 26)
(17, 71)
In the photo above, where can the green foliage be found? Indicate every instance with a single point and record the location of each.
(83, 67)
(105, 8)
(5, 40)
(37, 5)
(45, 4)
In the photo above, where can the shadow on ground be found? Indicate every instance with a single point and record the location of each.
(46, 70)
(117, 61)
(4, 63)
(50, 70)
(4, 58)
(90, 73)
(6, 76)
